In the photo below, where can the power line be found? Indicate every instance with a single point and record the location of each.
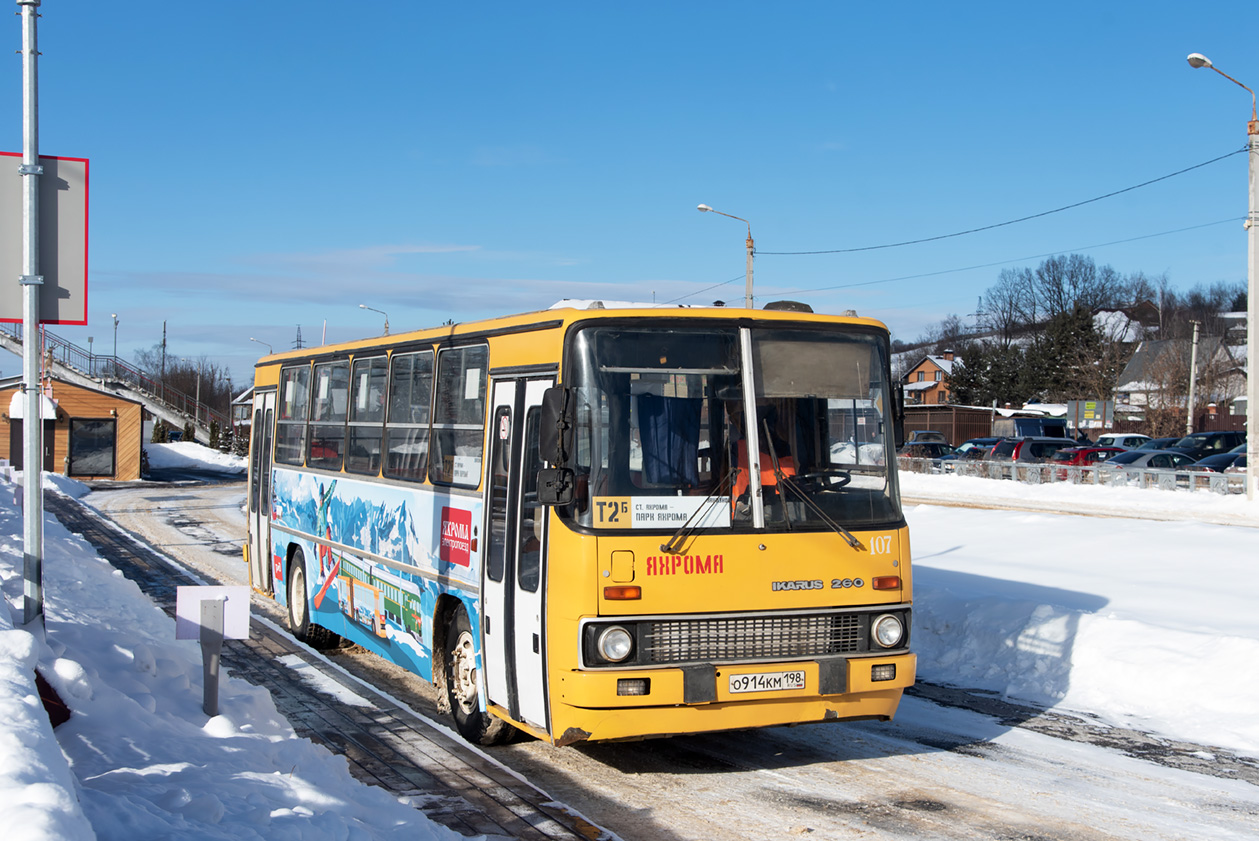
(705, 289)
(1010, 222)
(964, 268)
(1004, 262)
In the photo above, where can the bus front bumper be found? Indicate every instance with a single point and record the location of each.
(620, 704)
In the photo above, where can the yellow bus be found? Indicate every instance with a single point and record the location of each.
(594, 523)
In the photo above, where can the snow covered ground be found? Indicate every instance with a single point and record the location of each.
(1148, 623)
(189, 454)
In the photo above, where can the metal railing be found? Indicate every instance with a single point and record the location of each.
(98, 367)
(1044, 473)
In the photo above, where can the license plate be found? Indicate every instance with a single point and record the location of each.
(767, 681)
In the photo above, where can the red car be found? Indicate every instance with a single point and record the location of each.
(1082, 457)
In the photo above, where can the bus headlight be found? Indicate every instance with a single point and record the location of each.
(887, 631)
(614, 644)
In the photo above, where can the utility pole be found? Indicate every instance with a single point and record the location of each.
(1193, 380)
(31, 280)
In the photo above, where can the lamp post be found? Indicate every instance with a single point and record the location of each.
(382, 312)
(747, 297)
(114, 365)
(1198, 60)
(264, 344)
(91, 358)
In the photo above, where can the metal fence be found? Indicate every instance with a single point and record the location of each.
(1040, 474)
(100, 367)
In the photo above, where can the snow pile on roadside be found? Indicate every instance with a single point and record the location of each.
(1143, 624)
(189, 454)
(144, 760)
(1063, 497)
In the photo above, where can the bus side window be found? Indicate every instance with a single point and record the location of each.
(367, 415)
(294, 402)
(406, 430)
(328, 410)
(459, 416)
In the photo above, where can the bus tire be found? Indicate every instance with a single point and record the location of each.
(462, 687)
(300, 624)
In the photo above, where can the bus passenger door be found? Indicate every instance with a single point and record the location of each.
(514, 574)
(260, 440)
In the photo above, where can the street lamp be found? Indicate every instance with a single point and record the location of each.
(747, 297)
(264, 344)
(114, 365)
(382, 312)
(1252, 299)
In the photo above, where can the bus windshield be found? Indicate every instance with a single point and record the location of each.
(664, 439)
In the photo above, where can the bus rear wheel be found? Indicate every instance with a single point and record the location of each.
(299, 607)
(463, 690)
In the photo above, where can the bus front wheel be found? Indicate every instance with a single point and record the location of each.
(463, 690)
(299, 607)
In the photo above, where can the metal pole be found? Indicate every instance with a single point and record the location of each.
(1193, 380)
(32, 429)
(747, 298)
(1252, 307)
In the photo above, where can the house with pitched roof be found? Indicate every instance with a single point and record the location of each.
(1157, 377)
(926, 383)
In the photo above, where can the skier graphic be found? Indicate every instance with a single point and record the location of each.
(322, 526)
(328, 565)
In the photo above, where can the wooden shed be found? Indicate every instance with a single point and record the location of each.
(88, 434)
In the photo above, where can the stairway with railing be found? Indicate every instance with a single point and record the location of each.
(68, 360)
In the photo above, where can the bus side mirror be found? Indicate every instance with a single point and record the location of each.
(555, 433)
(555, 486)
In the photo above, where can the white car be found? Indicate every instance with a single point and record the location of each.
(1128, 440)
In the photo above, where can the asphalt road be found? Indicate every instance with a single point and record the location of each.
(954, 764)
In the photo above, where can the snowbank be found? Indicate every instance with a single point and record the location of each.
(144, 760)
(189, 454)
(1141, 623)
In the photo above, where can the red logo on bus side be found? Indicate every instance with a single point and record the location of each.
(685, 564)
(456, 537)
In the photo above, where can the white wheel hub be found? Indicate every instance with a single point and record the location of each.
(464, 672)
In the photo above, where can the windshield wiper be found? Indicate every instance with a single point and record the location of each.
(686, 530)
(791, 485)
(784, 481)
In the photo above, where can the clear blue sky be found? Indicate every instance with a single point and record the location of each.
(259, 166)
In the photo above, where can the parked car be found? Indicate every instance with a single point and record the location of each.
(934, 451)
(1202, 444)
(924, 436)
(1028, 449)
(1123, 440)
(1159, 443)
(1219, 462)
(1082, 457)
(1238, 466)
(1148, 460)
(926, 449)
(975, 448)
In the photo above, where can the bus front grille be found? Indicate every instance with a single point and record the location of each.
(750, 638)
